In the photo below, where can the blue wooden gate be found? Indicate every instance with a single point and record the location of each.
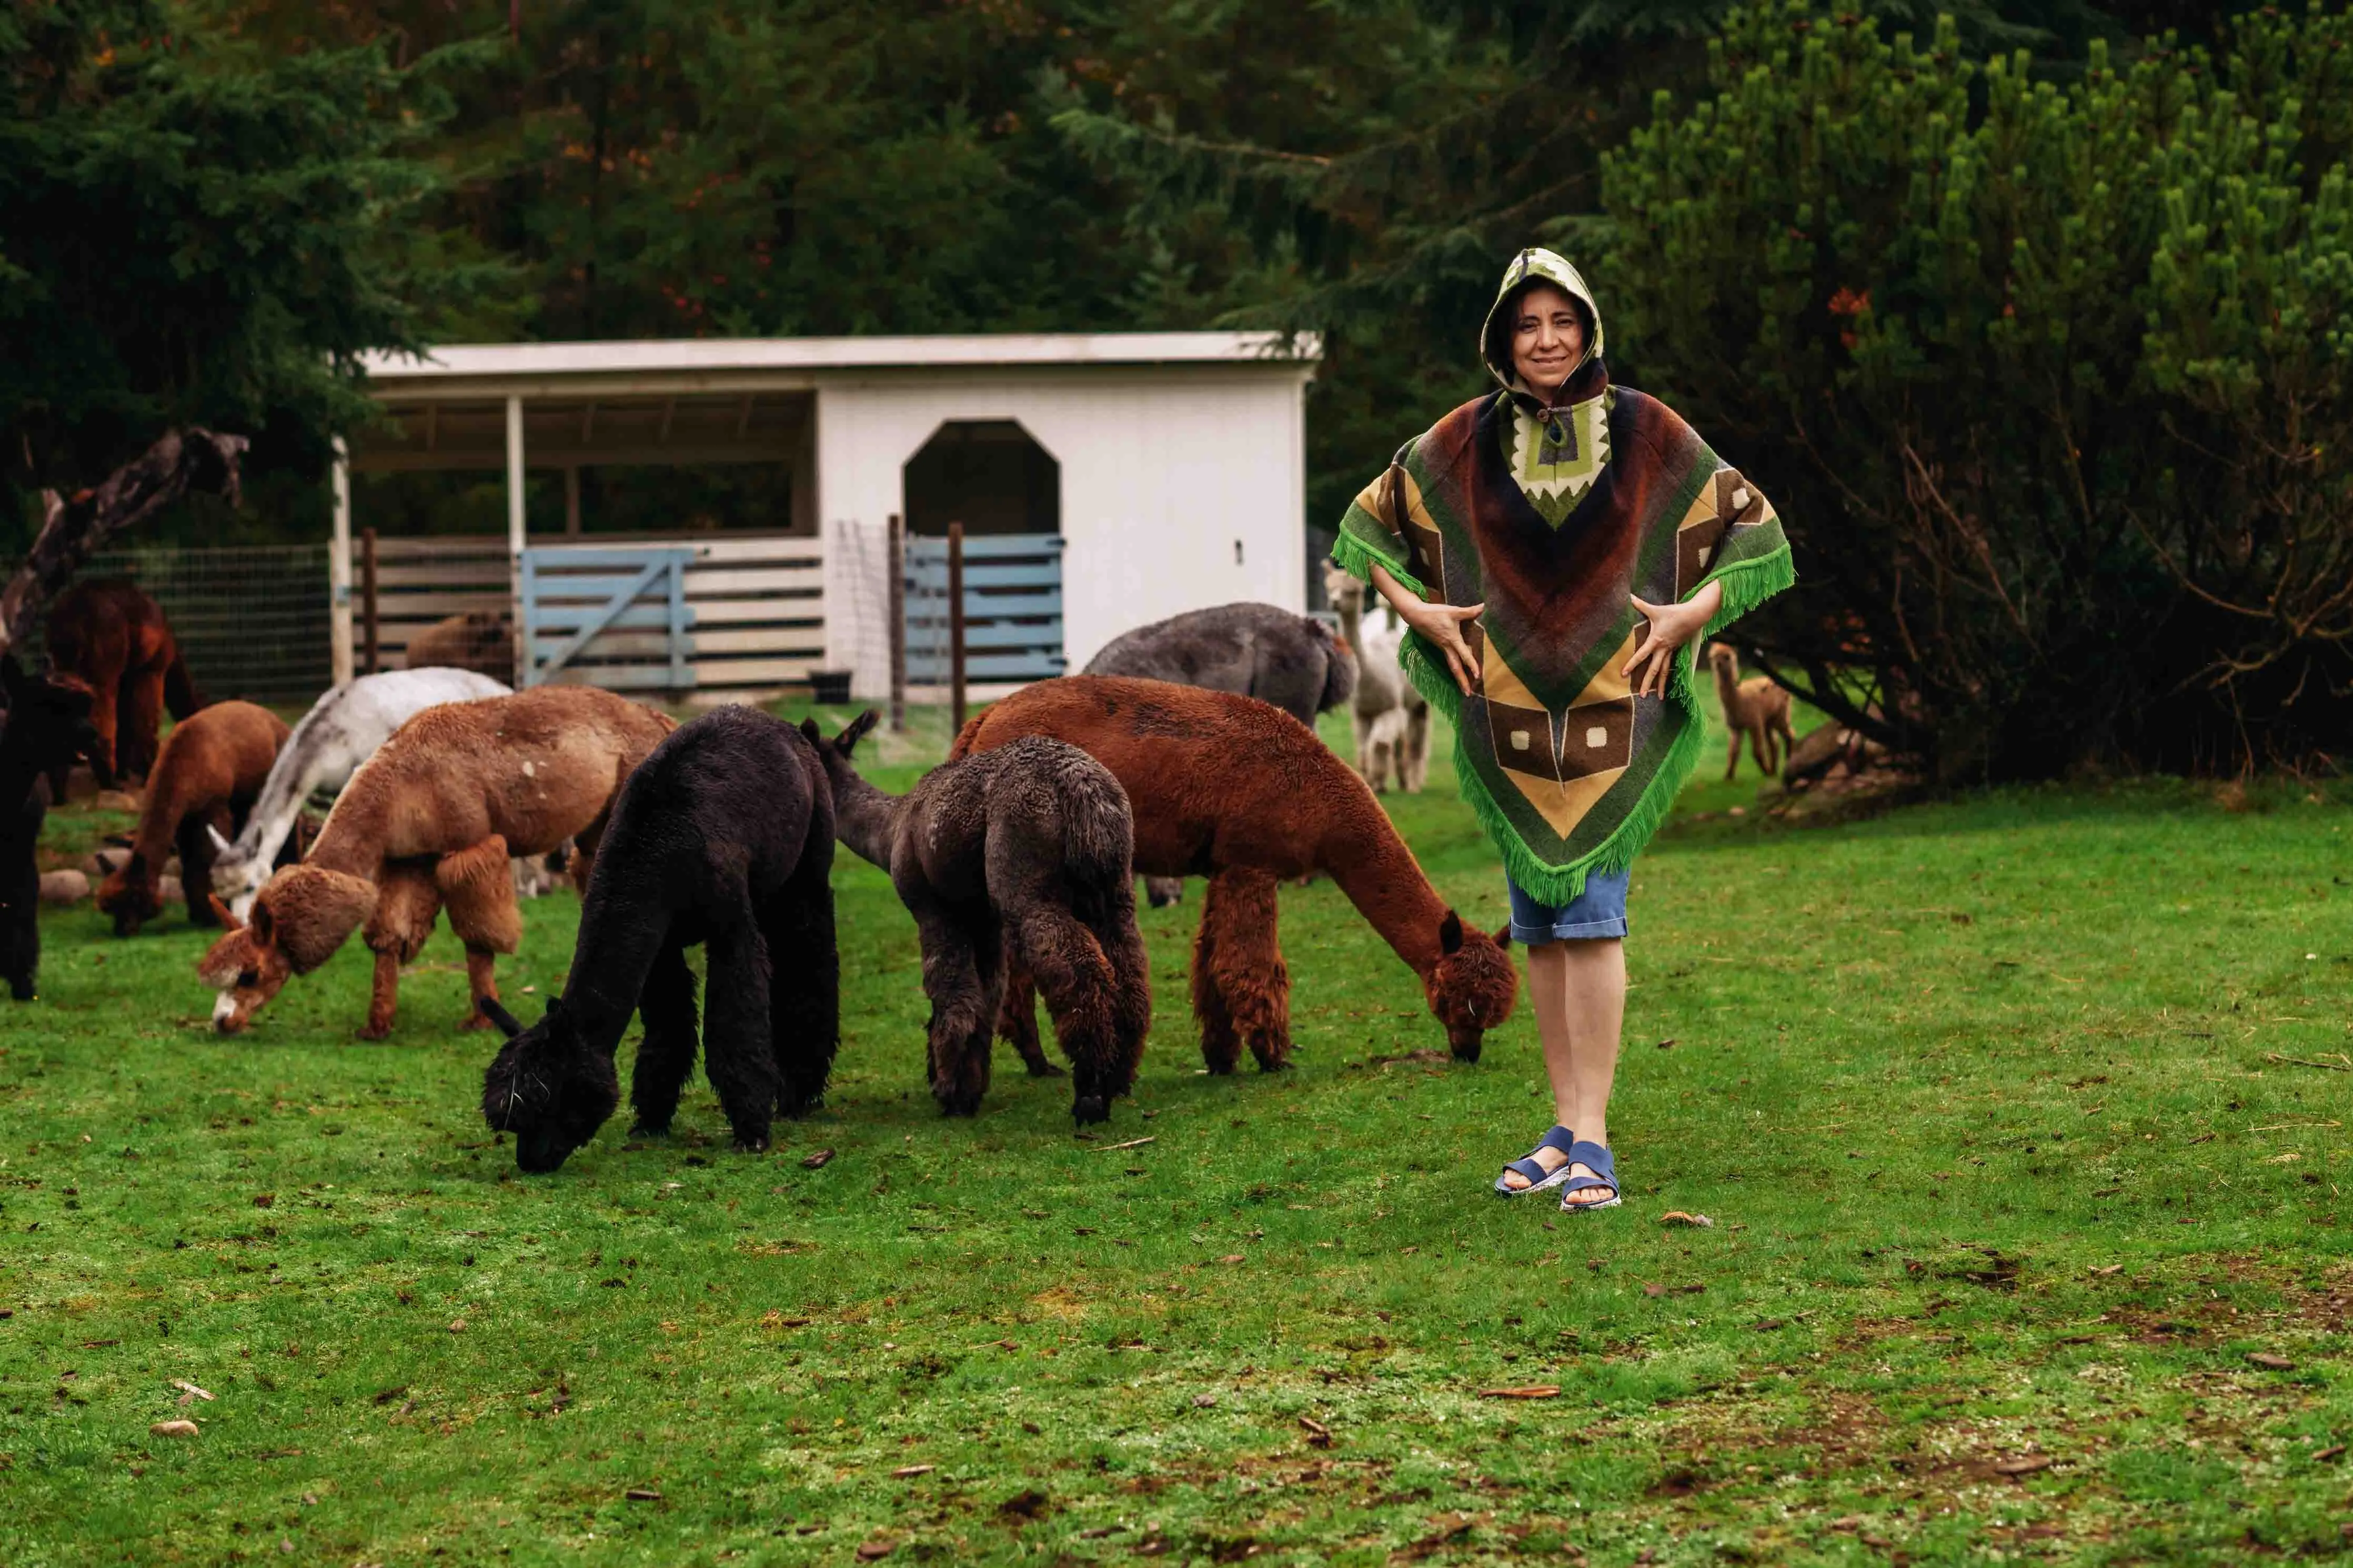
(633, 598)
(1012, 609)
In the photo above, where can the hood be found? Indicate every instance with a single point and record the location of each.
(1535, 266)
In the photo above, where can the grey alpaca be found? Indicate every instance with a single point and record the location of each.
(1275, 655)
(1023, 852)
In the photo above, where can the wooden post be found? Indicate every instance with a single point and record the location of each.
(898, 602)
(339, 572)
(955, 628)
(368, 597)
(516, 541)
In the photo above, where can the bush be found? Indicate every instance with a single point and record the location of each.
(2048, 380)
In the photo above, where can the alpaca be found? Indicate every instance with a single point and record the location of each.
(1256, 650)
(479, 640)
(1399, 750)
(115, 640)
(1019, 857)
(48, 726)
(1243, 793)
(723, 836)
(1754, 708)
(432, 819)
(213, 763)
(342, 730)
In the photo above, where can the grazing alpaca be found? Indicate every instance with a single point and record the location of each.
(1253, 650)
(213, 764)
(431, 820)
(1020, 857)
(1387, 747)
(1754, 708)
(479, 640)
(1244, 793)
(115, 639)
(723, 836)
(342, 730)
(48, 725)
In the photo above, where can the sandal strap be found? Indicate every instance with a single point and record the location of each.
(1560, 1139)
(1595, 1158)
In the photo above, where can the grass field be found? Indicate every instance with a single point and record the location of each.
(2005, 1111)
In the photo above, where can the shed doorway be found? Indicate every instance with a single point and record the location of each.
(991, 476)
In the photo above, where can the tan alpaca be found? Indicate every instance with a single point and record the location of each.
(430, 820)
(1754, 708)
(1391, 719)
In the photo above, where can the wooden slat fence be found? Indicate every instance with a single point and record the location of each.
(758, 605)
(1012, 609)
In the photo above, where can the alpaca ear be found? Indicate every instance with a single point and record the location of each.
(855, 730)
(1503, 934)
(1449, 934)
(509, 1025)
(811, 734)
(221, 846)
(223, 913)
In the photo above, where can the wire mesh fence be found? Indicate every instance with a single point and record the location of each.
(252, 621)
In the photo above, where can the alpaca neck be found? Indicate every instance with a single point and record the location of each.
(620, 937)
(1727, 685)
(1351, 608)
(864, 818)
(1380, 875)
(282, 794)
(352, 839)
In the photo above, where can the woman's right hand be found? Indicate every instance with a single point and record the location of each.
(1440, 626)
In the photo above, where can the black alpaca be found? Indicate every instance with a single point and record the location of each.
(723, 836)
(1021, 852)
(48, 727)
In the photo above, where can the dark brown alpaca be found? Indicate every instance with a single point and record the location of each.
(211, 769)
(115, 640)
(1235, 790)
(1018, 858)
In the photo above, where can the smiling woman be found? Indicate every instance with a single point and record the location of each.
(1554, 547)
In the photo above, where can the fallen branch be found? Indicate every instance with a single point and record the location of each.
(182, 461)
(2301, 1062)
(1130, 1143)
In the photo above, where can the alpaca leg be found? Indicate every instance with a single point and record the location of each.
(1075, 975)
(406, 903)
(1417, 750)
(666, 1054)
(805, 1001)
(962, 1005)
(1221, 1048)
(1732, 755)
(1131, 996)
(1016, 1018)
(738, 1053)
(483, 912)
(106, 719)
(142, 720)
(481, 985)
(196, 846)
(383, 996)
(1240, 962)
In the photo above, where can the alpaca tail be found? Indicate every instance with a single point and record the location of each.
(1098, 837)
(180, 693)
(1339, 667)
(965, 736)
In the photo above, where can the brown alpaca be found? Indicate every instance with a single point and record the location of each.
(1240, 791)
(479, 640)
(212, 767)
(1754, 708)
(115, 640)
(430, 820)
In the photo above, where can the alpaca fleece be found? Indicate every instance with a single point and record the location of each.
(342, 730)
(211, 770)
(723, 836)
(115, 640)
(1241, 793)
(47, 726)
(1019, 859)
(505, 776)
(479, 640)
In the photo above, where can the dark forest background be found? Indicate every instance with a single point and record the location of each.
(1821, 231)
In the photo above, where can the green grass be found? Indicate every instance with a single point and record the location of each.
(1986, 1099)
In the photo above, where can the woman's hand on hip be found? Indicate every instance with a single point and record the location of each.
(1440, 626)
(1671, 628)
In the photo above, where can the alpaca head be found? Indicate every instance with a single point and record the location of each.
(547, 1086)
(1722, 659)
(1345, 593)
(838, 749)
(238, 876)
(130, 894)
(300, 919)
(1472, 986)
(48, 717)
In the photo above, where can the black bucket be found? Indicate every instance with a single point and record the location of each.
(829, 688)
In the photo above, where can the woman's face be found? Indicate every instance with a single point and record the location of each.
(1547, 339)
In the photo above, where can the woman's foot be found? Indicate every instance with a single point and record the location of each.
(1590, 1179)
(1542, 1169)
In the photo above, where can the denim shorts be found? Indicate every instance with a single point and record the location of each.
(1595, 914)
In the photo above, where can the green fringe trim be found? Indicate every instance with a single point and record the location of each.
(1746, 584)
(1357, 559)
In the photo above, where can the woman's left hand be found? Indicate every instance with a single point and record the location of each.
(1671, 628)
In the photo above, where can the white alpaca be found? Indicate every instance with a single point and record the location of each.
(342, 730)
(1391, 719)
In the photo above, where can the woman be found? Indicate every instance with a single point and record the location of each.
(1554, 547)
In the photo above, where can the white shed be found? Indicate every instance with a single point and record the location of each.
(1120, 477)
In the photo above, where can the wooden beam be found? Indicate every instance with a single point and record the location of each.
(742, 418)
(432, 425)
(670, 409)
(588, 422)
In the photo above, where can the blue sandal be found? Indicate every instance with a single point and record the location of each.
(1539, 1179)
(1594, 1157)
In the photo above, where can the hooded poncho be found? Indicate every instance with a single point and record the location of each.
(1557, 518)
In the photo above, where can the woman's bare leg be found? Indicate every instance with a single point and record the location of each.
(1579, 990)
